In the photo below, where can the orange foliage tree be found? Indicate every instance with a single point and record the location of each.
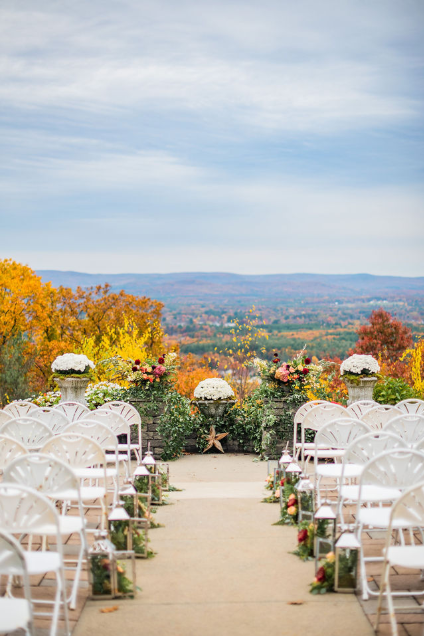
(193, 370)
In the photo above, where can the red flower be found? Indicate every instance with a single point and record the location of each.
(151, 379)
(305, 371)
(302, 536)
(135, 368)
(307, 361)
(276, 360)
(161, 360)
(282, 482)
(275, 355)
(136, 361)
(320, 575)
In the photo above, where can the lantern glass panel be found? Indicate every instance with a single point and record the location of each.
(347, 558)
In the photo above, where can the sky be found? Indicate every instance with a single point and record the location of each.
(241, 136)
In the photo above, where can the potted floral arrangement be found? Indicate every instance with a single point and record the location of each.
(146, 378)
(285, 377)
(359, 374)
(72, 373)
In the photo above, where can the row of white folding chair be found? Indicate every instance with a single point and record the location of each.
(132, 417)
(30, 432)
(388, 475)
(408, 513)
(314, 418)
(15, 613)
(25, 511)
(380, 414)
(59, 482)
(10, 449)
(119, 426)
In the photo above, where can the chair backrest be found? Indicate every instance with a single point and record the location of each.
(23, 510)
(5, 417)
(322, 414)
(10, 449)
(44, 473)
(357, 409)
(128, 411)
(112, 419)
(397, 468)
(76, 450)
(305, 408)
(12, 557)
(409, 508)
(411, 407)
(408, 427)
(340, 433)
(100, 433)
(379, 415)
(365, 447)
(73, 410)
(20, 409)
(56, 420)
(28, 431)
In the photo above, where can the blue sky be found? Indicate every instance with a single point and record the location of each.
(252, 137)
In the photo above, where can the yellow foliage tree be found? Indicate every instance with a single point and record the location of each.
(415, 360)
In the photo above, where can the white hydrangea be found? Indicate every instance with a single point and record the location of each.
(72, 362)
(213, 389)
(170, 357)
(260, 364)
(359, 364)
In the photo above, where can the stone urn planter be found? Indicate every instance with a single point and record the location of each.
(360, 389)
(214, 410)
(72, 389)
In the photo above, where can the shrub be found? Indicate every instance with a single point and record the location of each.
(393, 390)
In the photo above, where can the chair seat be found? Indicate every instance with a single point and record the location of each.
(89, 493)
(335, 470)
(95, 473)
(125, 446)
(122, 457)
(370, 493)
(69, 524)
(331, 453)
(14, 613)
(408, 556)
(42, 561)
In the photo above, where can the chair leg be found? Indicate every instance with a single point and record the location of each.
(74, 593)
(381, 595)
(391, 606)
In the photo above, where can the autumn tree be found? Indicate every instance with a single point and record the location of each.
(384, 337)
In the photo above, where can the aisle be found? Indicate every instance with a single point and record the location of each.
(222, 568)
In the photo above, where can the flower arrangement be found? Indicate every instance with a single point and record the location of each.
(102, 392)
(145, 373)
(359, 366)
(270, 484)
(51, 398)
(324, 577)
(289, 510)
(296, 374)
(72, 364)
(213, 389)
(305, 541)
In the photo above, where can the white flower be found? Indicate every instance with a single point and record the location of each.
(260, 364)
(359, 364)
(213, 389)
(71, 362)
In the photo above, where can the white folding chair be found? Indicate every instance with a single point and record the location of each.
(20, 409)
(359, 452)
(23, 510)
(132, 416)
(119, 426)
(15, 613)
(379, 415)
(412, 406)
(55, 419)
(72, 410)
(357, 409)
(315, 419)
(107, 441)
(87, 460)
(408, 427)
(391, 472)
(30, 432)
(299, 416)
(10, 449)
(332, 437)
(5, 417)
(58, 482)
(407, 513)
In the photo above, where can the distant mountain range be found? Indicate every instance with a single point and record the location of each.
(215, 288)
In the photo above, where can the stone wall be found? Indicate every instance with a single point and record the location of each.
(149, 423)
(273, 442)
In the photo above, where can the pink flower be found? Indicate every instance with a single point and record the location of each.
(159, 370)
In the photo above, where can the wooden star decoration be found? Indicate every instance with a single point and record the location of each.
(213, 440)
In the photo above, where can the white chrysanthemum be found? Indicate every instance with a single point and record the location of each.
(358, 364)
(71, 362)
(260, 364)
(213, 389)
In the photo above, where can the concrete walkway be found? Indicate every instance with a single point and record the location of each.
(222, 568)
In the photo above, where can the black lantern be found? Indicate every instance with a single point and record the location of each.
(347, 559)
